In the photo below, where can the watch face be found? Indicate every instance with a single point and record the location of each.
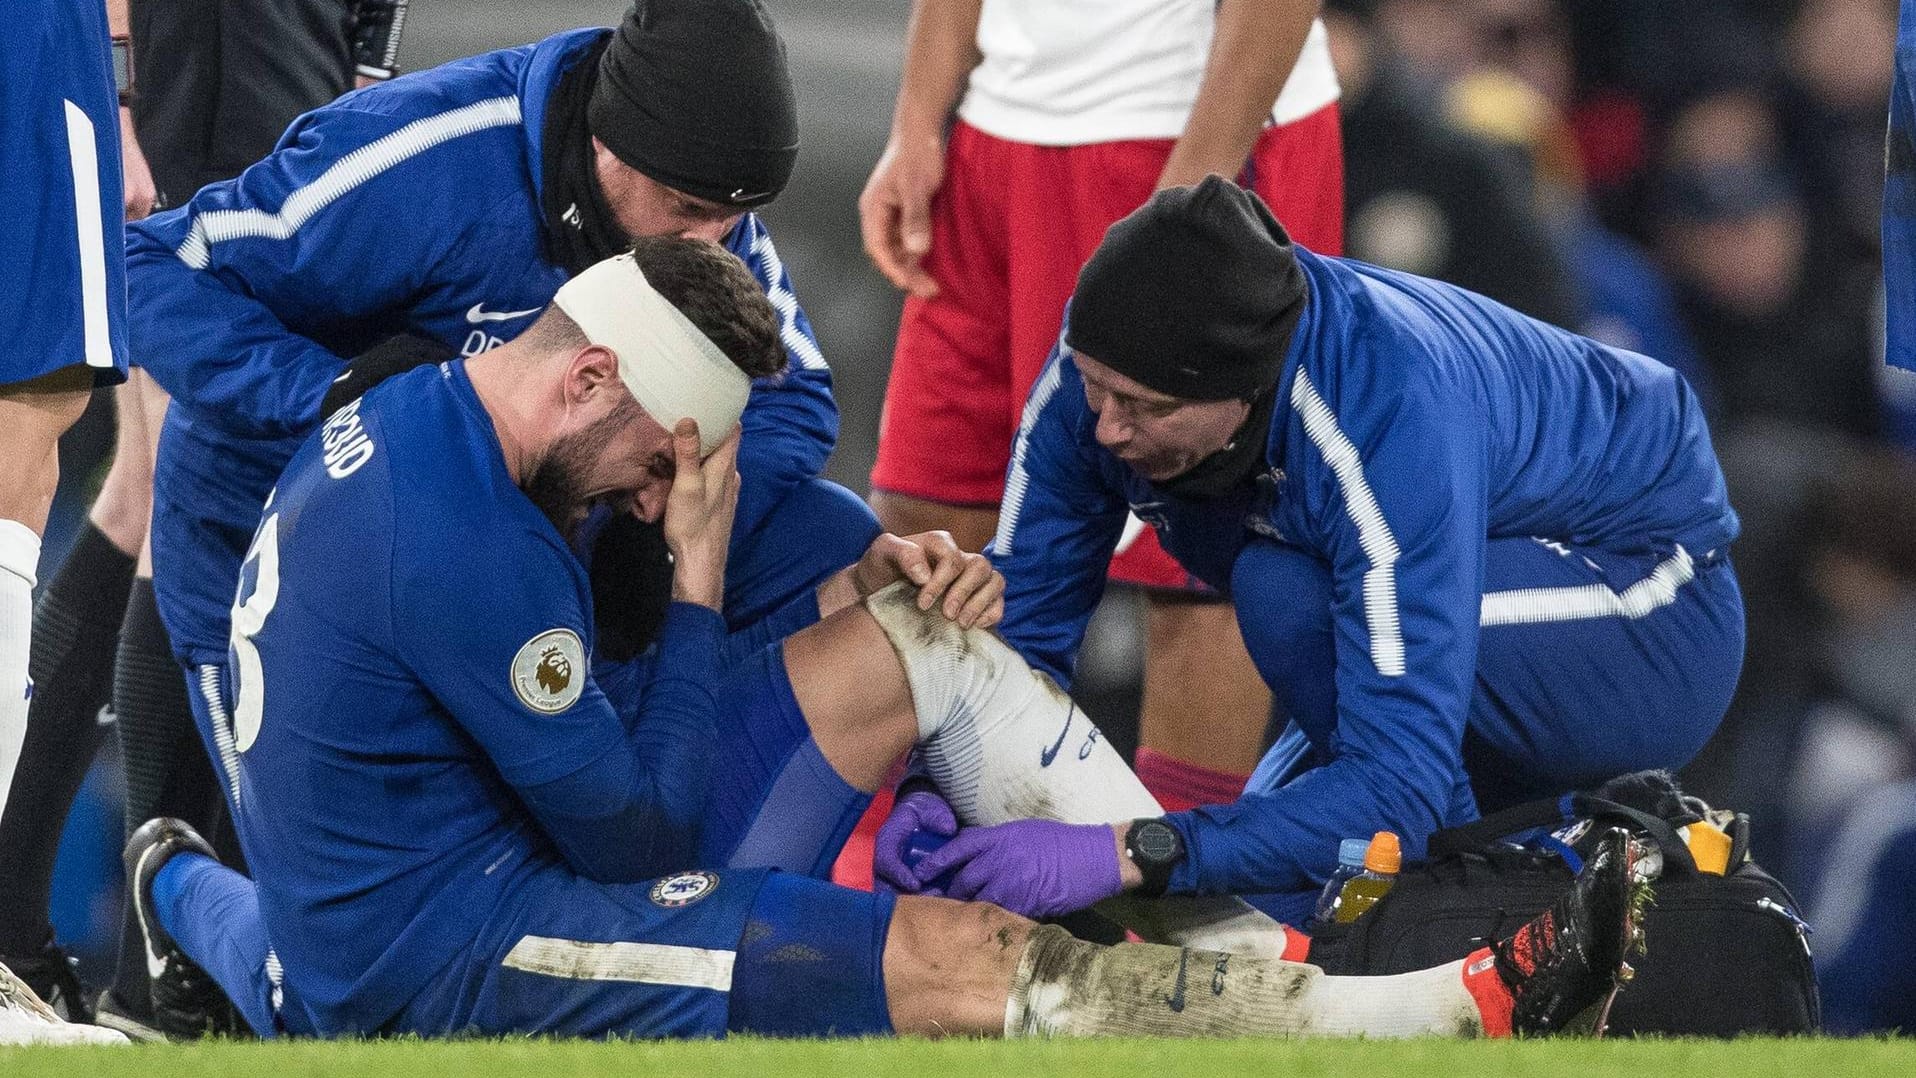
(1156, 841)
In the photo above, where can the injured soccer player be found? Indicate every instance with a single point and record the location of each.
(458, 821)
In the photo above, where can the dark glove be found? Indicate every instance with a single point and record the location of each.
(394, 355)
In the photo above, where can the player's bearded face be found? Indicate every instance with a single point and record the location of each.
(1157, 436)
(594, 462)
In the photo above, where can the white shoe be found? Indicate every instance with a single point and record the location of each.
(26, 1019)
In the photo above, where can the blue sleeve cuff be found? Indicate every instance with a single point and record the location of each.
(1185, 877)
(691, 642)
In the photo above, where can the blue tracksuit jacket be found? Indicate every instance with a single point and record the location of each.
(1419, 429)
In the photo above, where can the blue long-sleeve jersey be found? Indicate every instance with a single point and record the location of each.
(418, 723)
(1414, 422)
(412, 206)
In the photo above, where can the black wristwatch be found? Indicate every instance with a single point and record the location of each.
(1157, 849)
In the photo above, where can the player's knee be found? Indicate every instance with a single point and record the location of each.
(931, 930)
(947, 665)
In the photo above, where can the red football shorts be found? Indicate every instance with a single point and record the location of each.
(1011, 227)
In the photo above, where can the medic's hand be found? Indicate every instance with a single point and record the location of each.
(963, 586)
(698, 515)
(1037, 868)
(920, 810)
(894, 212)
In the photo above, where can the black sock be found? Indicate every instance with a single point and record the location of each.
(167, 771)
(75, 626)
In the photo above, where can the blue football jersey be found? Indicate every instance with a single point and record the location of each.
(418, 727)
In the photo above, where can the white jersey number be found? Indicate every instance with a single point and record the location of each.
(249, 617)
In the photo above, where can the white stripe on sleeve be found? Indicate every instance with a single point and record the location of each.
(1381, 616)
(1017, 480)
(345, 174)
(779, 291)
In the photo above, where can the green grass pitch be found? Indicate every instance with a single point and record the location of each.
(1800, 1058)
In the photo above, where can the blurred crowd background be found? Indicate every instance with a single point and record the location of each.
(1699, 180)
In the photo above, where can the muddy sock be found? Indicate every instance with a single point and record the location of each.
(1066, 987)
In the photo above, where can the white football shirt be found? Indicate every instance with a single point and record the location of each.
(1071, 72)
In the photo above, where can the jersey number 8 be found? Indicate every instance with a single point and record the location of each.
(249, 617)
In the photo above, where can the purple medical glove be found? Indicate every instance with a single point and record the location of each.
(920, 810)
(1038, 868)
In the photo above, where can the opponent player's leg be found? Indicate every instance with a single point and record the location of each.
(971, 526)
(75, 626)
(1192, 754)
(952, 400)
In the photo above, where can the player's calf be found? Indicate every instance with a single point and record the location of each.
(1568, 961)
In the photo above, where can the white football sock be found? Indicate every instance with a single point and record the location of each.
(1067, 987)
(1004, 743)
(19, 560)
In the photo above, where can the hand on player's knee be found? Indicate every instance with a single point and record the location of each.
(961, 585)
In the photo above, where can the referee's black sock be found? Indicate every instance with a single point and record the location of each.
(75, 625)
(167, 771)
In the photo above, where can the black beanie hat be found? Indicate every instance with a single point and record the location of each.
(1195, 294)
(696, 95)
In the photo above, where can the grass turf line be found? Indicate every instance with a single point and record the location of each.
(752, 1058)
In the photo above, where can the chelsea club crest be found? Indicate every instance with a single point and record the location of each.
(684, 888)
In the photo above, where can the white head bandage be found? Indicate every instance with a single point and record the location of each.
(672, 368)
